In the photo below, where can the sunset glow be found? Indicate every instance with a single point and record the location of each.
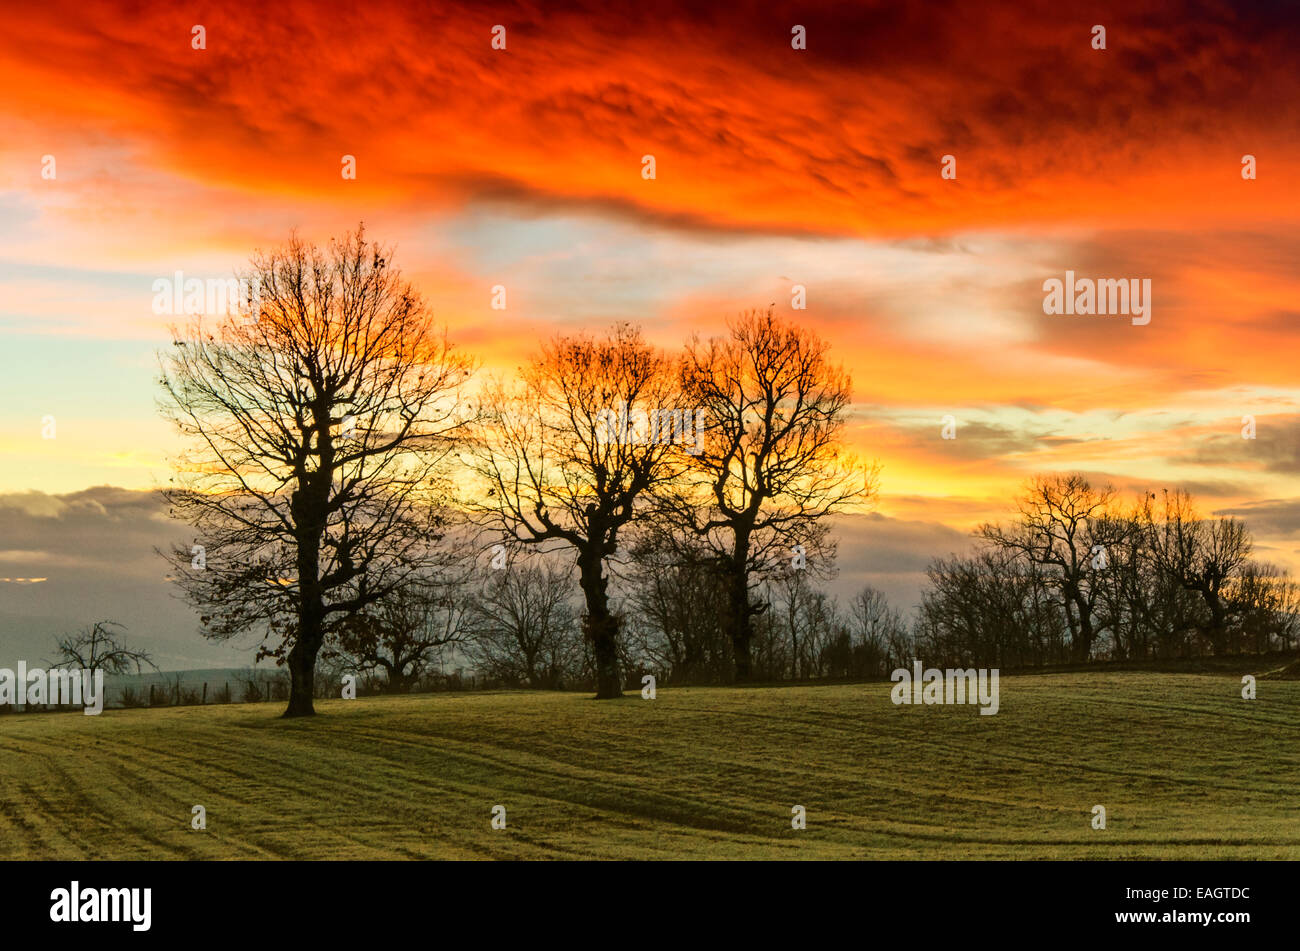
(523, 168)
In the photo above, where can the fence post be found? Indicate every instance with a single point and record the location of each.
(205, 693)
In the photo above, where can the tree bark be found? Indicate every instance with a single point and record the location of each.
(600, 627)
(739, 615)
(308, 510)
(1081, 634)
(1083, 649)
(302, 676)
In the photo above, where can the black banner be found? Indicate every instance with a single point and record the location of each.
(946, 901)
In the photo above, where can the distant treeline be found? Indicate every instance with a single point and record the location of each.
(1079, 575)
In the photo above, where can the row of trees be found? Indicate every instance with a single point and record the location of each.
(1081, 573)
(522, 626)
(614, 508)
(1006, 605)
(338, 463)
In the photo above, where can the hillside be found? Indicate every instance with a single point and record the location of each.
(1185, 768)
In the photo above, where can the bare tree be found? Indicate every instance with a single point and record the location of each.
(995, 606)
(1203, 556)
(808, 618)
(559, 464)
(1068, 527)
(406, 633)
(772, 464)
(1151, 580)
(319, 419)
(1266, 602)
(678, 598)
(877, 633)
(100, 647)
(524, 625)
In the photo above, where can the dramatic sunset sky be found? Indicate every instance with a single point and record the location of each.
(775, 167)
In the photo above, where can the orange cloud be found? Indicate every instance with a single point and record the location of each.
(844, 137)
(774, 166)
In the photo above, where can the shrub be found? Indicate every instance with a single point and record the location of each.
(133, 697)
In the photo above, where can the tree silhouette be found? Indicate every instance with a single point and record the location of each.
(558, 467)
(1068, 527)
(772, 465)
(319, 418)
(100, 647)
(1204, 556)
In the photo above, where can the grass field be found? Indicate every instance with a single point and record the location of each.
(1185, 768)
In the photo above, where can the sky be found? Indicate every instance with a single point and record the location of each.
(128, 155)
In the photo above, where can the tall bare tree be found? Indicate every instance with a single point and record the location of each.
(1068, 527)
(318, 419)
(772, 464)
(1204, 556)
(1266, 601)
(560, 464)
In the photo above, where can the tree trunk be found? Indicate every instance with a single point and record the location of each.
(399, 681)
(1081, 627)
(1218, 632)
(600, 627)
(794, 650)
(1083, 650)
(308, 513)
(302, 674)
(739, 617)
